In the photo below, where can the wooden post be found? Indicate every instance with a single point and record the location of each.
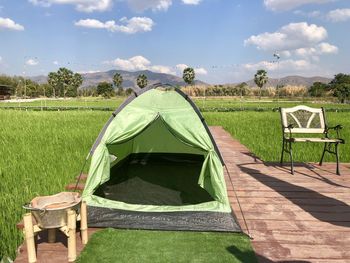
(83, 223)
(29, 235)
(51, 235)
(72, 246)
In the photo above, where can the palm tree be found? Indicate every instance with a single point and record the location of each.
(118, 80)
(142, 81)
(188, 75)
(260, 79)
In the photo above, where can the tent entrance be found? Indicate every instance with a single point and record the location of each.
(156, 179)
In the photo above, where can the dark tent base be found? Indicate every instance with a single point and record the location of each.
(156, 179)
(177, 221)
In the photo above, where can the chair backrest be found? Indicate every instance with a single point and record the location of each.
(304, 119)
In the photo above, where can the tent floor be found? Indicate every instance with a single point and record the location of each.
(156, 179)
(178, 221)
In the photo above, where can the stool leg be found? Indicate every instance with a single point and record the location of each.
(51, 235)
(72, 246)
(83, 223)
(29, 235)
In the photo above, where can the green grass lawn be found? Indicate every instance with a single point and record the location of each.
(43, 151)
(130, 246)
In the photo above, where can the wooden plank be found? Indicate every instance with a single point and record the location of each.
(293, 237)
(264, 225)
(71, 187)
(280, 251)
(291, 217)
(83, 177)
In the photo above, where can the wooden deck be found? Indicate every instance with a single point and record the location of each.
(293, 218)
(303, 217)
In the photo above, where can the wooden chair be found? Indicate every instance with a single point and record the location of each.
(306, 120)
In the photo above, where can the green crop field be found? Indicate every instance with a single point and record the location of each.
(261, 133)
(43, 151)
(205, 104)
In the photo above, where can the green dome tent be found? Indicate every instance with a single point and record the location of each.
(155, 165)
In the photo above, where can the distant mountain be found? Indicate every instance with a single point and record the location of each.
(129, 78)
(92, 79)
(292, 80)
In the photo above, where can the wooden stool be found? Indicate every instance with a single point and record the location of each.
(69, 230)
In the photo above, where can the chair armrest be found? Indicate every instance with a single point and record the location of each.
(336, 128)
(289, 127)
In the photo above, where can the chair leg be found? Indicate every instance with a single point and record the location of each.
(337, 156)
(291, 158)
(324, 151)
(281, 161)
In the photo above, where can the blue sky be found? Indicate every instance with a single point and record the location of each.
(224, 40)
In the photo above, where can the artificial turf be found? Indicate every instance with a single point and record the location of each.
(111, 245)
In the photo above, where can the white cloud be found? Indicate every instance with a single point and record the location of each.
(339, 15)
(8, 23)
(154, 5)
(55, 62)
(128, 26)
(131, 64)
(181, 67)
(288, 37)
(284, 5)
(201, 71)
(326, 48)
(162, 69)
(314, 52)
(135, 24)
(32, 62)
(94, 23)
(191, 2)
(285, 54)
(87, 6)
(137, 63)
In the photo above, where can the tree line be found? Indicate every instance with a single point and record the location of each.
(338, 87)
(66, 83)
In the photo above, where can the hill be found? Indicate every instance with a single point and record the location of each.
(292, 80)
(129, 78)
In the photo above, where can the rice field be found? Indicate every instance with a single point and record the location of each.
(43, 151)
(40, 153)
(261, 133)
(205, 104)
